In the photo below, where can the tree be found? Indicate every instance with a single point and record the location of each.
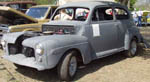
(45, 1)
(132, 2)
(128, 3)
(123, 2)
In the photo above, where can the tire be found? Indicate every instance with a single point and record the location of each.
(68, 66)
(133, 48)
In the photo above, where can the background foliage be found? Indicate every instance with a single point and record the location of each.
(129, 3)
(37, 1)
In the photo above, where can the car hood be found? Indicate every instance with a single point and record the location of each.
(12, 14)
(53, 40)
(31, 42)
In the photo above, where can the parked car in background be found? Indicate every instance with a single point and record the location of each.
(97, 29)
(32, 20)
(19, 5)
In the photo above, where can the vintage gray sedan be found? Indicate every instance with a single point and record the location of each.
(87, 31)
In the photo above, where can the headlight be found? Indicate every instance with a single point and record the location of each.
(3, 42)
(39, 49)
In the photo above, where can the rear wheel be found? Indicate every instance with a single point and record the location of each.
(132, 49)
(68, 66)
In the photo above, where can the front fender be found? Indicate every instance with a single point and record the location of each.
(12, 37)
(56, 48)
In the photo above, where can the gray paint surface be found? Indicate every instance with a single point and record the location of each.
(115, 36)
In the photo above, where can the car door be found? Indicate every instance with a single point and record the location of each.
(122, 23)
(104, 32)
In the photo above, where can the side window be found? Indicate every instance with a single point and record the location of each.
(15, 6)
(23, 7)
(64, 14)
(81, 14)
(102, 14)
(121, 14)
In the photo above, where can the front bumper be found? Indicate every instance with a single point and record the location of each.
(20, 59)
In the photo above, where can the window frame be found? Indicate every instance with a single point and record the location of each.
(74, 12)
(103, 6)
(128, 14)
(50, 12)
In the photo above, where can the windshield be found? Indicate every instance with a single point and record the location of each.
(78, 14)
(38, 13)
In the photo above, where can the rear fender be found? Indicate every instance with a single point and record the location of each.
(130, 34)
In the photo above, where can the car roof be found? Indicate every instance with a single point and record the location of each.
(18, 2)
(90, 4)
(44, 6)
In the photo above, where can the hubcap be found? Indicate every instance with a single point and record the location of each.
(133, 48)
(73, 66)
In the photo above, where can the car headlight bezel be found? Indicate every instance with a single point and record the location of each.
(39, 49)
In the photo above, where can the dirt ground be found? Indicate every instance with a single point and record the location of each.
(115, 68)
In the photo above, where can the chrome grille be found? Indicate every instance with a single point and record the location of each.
(15, 49)
(28, 52)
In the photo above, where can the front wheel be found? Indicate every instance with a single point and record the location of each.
(132, 49)
(68, 66)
